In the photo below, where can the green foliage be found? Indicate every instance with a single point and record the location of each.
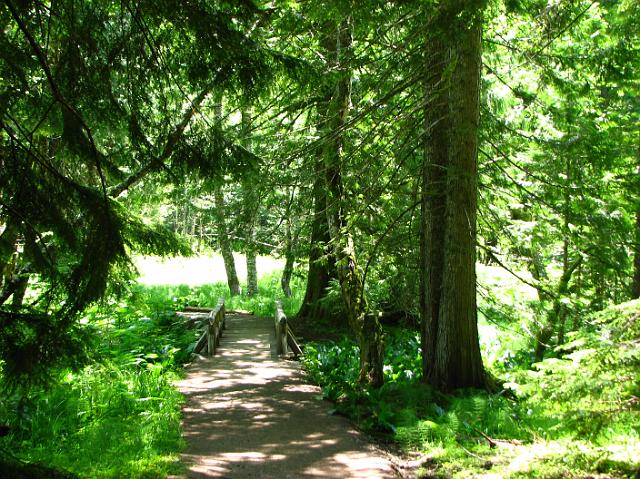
(582, 402)
(207, 295)
(411, 412)
(590, 390)
(120, 415)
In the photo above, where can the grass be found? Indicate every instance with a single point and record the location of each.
(119, 416)
(574, 416)
(197, 270)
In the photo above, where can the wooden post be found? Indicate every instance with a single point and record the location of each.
(211, 338)
(213, 327)
(281, 329)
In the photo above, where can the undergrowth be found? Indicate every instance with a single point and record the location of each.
(119, 416)
(572, 415)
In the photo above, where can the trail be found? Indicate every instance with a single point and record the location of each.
(250, 415)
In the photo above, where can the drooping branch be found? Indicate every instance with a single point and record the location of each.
(172, 141)
(55, 90)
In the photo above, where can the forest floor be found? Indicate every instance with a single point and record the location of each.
(249, 414)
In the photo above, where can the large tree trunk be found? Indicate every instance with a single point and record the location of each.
(225, 243)
(434, 178)
(322, 267)
(452, 350)
(364, 324)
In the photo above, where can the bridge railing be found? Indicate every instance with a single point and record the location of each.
(285, 339)
(213, 327)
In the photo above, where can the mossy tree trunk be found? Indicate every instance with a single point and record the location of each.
(364, 324)
(450, 331)
(322, 268)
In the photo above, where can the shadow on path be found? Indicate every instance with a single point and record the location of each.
(250, 415)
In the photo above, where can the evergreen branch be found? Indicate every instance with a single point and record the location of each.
(383, 235)
(563, 30)
(169, 147)
(30, 151)
(32, 228)
(55, 89)
(537, 287)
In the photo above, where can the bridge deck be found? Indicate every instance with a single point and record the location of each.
(250, 415)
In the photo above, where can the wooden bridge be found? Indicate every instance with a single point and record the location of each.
(251, 413)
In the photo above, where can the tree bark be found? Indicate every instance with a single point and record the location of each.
(221, 217)
(322, 268)
(8, 240)
(250, 200)
(287, 272)
(635, 284)
(364, 324)
(225, 243)
(452, 351)
(434, 177)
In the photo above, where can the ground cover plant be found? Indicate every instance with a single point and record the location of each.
(574, 414)
(119, 416)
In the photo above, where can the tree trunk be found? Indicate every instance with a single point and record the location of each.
(221, 217)
(365, 325)
(287, 272)
(8, 240)
(250, 200)
(434, 178)
(322, 267)
(557, 315)
(635, 284)
(452, 350)
(21, 285)
(252, 273)
(225, 243)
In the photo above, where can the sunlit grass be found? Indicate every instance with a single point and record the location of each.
(198, 270)
(120, 415)
(201, 281)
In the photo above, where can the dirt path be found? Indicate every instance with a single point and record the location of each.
(250, 415)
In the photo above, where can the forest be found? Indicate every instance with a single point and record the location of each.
(445, 195)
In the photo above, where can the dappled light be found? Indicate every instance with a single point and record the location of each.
(249, 414)
(421, 219)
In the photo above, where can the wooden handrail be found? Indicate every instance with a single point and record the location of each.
(214, 326)
(285, 339)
